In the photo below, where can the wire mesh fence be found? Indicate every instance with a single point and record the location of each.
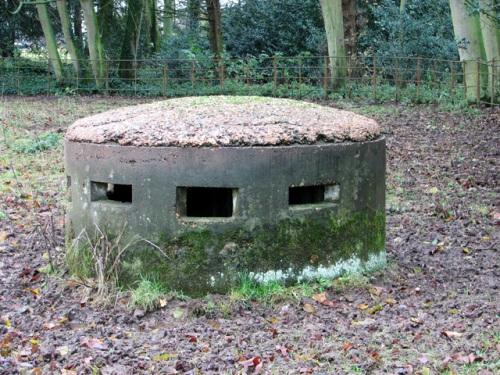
(413, 79)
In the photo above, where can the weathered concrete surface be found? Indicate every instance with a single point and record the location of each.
(266, 238)
(223, 121)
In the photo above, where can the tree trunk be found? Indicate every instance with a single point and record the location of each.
(491, 43)
(128, 54)
(50, 39)
(153, 36)
(468, 37)
(214, 27)
(94, 42)
(168, 18)
(62, 9)
(193, 16)
(334, 27)
(105, 18)
(350, 14)
(77, 24)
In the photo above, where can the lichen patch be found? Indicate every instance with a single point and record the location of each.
(219, 121)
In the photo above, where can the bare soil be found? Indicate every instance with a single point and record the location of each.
(433, 310)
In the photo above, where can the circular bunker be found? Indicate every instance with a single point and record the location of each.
(229, 188)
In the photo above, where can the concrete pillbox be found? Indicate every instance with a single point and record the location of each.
(231, 188)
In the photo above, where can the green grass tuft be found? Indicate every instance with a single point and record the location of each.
(147, 294)
(46, 141)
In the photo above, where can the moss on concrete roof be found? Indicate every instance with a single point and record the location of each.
(223, 121)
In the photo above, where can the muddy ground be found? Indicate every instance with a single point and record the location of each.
(435, 308)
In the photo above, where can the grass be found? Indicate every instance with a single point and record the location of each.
(147, 295)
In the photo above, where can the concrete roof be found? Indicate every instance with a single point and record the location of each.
(223, 121)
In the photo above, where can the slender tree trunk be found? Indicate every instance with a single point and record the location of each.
(334, 27)
(491, 42)
(350, 14)
(153, 35)
(168, 18)
(193, 16)
(62, 9)
(94, 42)
(131, 36)
(77, 24)
(468, 37)
(214, 27)
(105, 18)
(50, 39)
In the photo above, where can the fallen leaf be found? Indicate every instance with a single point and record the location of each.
(390, 301)
(433, 190)
(178, 313)
(164, 357)
(252, 362)
(62, 350)
(3, 235)
(93, 343)
(162, 302)
(347, 346)
(362, 306)
(323, 299)
(376, 290)
(308, 308)
(191, 338)
(375, 309)
(451, 334)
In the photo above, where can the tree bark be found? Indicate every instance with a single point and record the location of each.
(350, 14)
(193, 16)
(62, 9)
(94, 42)
(153, 34)
(214, 27)
(128, 54)
(468, 36)
(50, 39)
(168, 18)
(491, 43)
(77, 24)
(334, 27)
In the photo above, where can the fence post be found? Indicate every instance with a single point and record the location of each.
(349, 77)
(397, 79)
(465, 79)
(48, 76)
(492, 83)
(417, 79)
(221, 73)
(165, 80)
(374, 77)
(135, 77)
(193, 78)
(18, 92)
(325, 77)
(106, 76)
(77, 77)
(478, 86)
(275, 75)
(452, 79)
(300, 77)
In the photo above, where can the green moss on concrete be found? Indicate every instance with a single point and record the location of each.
(201, 261)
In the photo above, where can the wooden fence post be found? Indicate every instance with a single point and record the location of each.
(275, 75)
(417, 78)
(325, 76)
(452, 79)
(492, 83)
(464, 78)
(349, 77)
(396, 79)
(77, 77)
(165, 80)
(193, 77)
(106, 75)
(300, 77)
(374, 77)
(48, 76)
(478, 86)
(221, 73)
